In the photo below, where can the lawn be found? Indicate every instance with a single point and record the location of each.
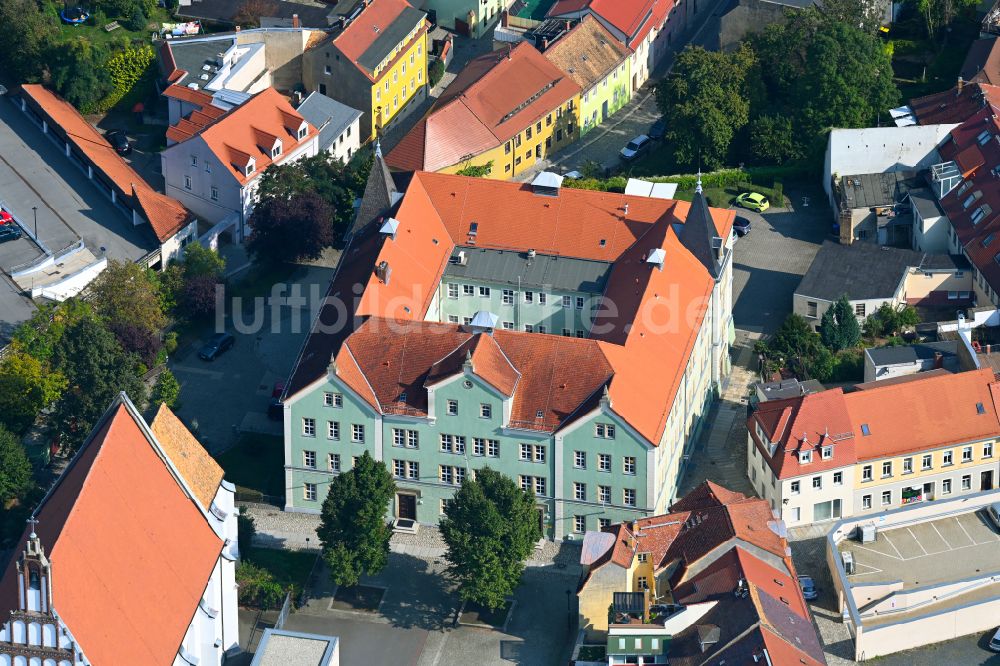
(722, 197)
(289, 567)
(93, 30)
(256, 465)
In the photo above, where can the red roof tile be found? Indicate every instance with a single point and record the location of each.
(954, 106)
(248, 131)
(635, 19)
(166, 215)
(482, 108)
(561, 7)
(806, 423)
(361, 33)
(130, 550)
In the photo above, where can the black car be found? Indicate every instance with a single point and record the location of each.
(741, 226)
(216, 346)
(658, 129)
(9, 232)
(119, 142)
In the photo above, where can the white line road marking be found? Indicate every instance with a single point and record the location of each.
(878, 552)
(893, 546)
(942, 537)
(964, 530)
(917, 540)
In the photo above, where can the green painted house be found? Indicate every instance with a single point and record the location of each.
(477, 323)
(599, 63)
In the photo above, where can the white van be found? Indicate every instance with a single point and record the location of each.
(995, 642)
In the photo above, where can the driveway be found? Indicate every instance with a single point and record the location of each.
(769, 262)
(231, 394)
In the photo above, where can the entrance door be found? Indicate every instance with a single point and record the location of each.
(928, 491)
(406, 506)
(986, 481)
(604, 111)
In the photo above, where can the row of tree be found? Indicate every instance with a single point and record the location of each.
(776, 97)
(490, 528)
(833, 351)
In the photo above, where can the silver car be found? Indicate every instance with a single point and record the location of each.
(993, 511)
(635, 147)
(809, 591)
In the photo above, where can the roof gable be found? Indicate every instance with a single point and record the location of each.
(588, 53)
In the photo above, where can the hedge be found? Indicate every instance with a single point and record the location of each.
(127, 68)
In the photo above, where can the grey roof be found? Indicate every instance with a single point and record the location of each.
(878, 189)
(391, 35)
(506, 266)
(911, 353)
(279, 647)
(925, 202)
(311, 14)
(865, 271)
(788, 388)
(329, 116)
(698, 233)
(379, 197)
(192, 55)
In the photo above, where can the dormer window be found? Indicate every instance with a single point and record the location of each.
(984, 137)
(805, 457)
(250, 168)
(276, 149)
(303, 130)
(826, 452)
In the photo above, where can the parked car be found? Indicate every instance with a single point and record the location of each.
(576, 175)
(741, 226)
(635, 148)
(5, 217)
(658, 129)
(809, 591)
(993, 511)
(119, 142)
(216, 346)
(754, 201)
(9, 232)
(994, 643)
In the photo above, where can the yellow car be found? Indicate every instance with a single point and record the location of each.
(753, 201)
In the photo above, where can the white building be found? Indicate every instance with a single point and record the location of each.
(113, 567)
(338, 125)
(215, 157)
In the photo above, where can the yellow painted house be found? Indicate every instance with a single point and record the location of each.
(505, 111)
(375, 59)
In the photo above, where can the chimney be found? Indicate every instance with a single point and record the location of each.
(961, 84)
(504, 18)
(543, 45)
(939, 359)
(846, 227)
(295, 21)
(237, 28)
(383, 271)
(566, 24)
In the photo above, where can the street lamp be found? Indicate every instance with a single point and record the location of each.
(34, 212)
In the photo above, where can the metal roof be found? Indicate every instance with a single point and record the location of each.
(388, 38)
(329, 116)
(508, 266)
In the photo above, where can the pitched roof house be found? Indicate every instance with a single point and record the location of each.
(471, 279)
(723, 560)
(506, 107)
(130, 557)
(217, 157)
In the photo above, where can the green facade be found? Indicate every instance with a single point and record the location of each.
(552, 458)
(605, 98)
(642, 643)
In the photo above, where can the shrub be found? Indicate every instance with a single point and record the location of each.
(257, 586)
(166, 390)
(136, 21)
(126, 68)
(246, 529)
(434, 72)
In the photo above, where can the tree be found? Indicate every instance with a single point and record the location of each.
(256, 586)
(249, 13)
(828, 332)
(26, 387)
(31, 31)
(839, 328)
(490, 529)
(866, 15)
(96, 369)
(200, 260)
(889, 320)
(79, 74)
(15, 469)
(797, 347)
(40, 335)
(126, 293)
(353, 530)
(300, 227)
(166, 390)
(705, 97)
(773, 140)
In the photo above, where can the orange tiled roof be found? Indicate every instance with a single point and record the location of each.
(494, 98)
(247, 131)
(199, 470)
(635, 19)
(166, 215)
(361, 33)
(955, 106)
(130, 550)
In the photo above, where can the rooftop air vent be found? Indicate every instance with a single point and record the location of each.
(460, 259)
(656, 257)
(389, 227)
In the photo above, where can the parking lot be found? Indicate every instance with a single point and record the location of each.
(34, 173)
(938, 551)
(231, 393)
